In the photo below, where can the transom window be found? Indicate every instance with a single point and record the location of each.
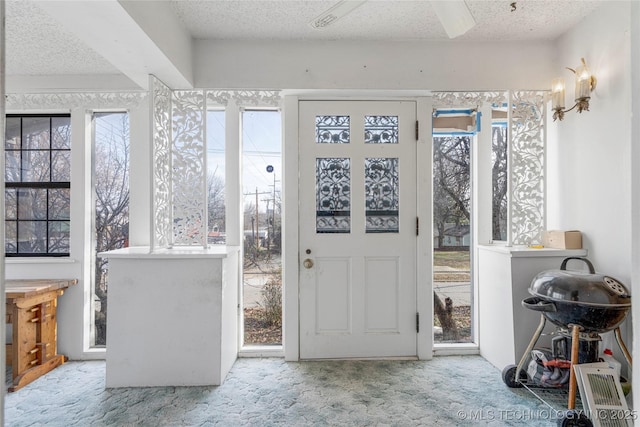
(37, 189)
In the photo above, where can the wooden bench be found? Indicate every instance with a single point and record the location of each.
(31, 310)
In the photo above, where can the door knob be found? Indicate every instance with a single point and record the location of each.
(307, 263)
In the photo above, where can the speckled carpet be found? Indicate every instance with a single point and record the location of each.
(448, 391)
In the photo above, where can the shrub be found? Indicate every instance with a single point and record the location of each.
(272, 300)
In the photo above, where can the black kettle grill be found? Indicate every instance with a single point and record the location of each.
(595, 302)
(583, 305)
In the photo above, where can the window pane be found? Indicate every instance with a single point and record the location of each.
(35, 166)
(381, 129)
(58, 237)
(10, 234)
(333, 195)
(452, 284)
(32, 204)
(12, 166)
(36, 133)
(31, 200)
(111, 188)
(61, 133)
(11, 204)
(382, 195)
(215, 177)
(261, 271)
(332, 129)
(32, 237)
(499, 168)
(59, 202)
(12, 133)
(61, 166)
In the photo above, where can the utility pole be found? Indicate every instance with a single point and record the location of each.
(270, 169)
(257, 225)
(269, 235)
(273, 214)
(255, 218)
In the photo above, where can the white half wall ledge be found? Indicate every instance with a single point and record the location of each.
(143, 252)
(172, 316)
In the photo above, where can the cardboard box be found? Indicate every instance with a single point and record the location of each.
(558, 239)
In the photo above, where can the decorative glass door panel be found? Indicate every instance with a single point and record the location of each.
(333, 187)
(357, 171)
(382, 195)
(332, 129)
(381, 129)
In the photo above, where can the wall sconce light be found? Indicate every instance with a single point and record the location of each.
(585, 84)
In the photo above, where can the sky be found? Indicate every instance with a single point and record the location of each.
(262, 146)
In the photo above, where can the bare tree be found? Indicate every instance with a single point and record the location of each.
(451, 204)
(215, 201)
(451, 181)
(499, 172)
(111, 171)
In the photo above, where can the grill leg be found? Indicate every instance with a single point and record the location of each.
(532, 343)
(623, 347)
(575, 346)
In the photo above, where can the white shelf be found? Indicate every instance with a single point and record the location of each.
(214, 251)
(526, 251)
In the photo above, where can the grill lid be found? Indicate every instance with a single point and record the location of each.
(580, 287)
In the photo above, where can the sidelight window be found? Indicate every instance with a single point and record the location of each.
(111, 206)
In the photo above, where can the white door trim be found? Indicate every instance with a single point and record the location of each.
(290, 264)
(424, 293)
(424, 261)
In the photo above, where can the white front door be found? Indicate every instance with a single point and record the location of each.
(357, 195)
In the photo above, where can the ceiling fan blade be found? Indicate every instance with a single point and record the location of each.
(337, 11)
(454, 16)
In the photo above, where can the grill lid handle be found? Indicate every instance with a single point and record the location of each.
(563, 266)
(537, 304)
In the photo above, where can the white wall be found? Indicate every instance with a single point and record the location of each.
(373, 65)
(71, 314)
(589, 162)
(635, 177)
(73, 307)
(590, 166)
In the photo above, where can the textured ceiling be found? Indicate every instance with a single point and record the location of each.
(377, 19)
(37, 45)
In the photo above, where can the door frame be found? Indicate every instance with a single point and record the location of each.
(290, 240)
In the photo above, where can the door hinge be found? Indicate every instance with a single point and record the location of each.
(417, 226)
(417, 130)
(417, 323)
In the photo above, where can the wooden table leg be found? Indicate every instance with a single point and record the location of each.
(46, 339)
(34, 349)
(34, 373)
(24, 339)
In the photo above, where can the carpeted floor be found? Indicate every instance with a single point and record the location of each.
(448, 391)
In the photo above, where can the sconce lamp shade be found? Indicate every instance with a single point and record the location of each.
(557, 93)
(583, 83)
